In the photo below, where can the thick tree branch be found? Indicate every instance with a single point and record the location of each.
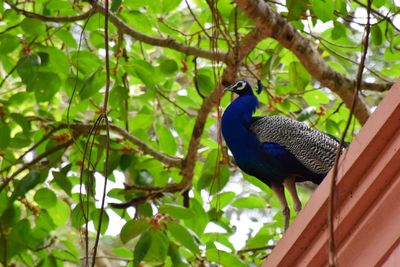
(270, 23)
(378, 87)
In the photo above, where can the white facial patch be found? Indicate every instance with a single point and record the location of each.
(240, 85)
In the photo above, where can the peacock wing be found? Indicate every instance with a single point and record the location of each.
(314, 149)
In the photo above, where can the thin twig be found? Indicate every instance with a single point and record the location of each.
(197, 21)
(44, 138)
(107, 127)
(26, 166)
(358, 81)
(255, 249)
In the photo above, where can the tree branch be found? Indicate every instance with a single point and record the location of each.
(168, 160)
(162, 42)
(377, 87)
(247, 44)
(126, 29)
(32, 15)
(271, 24)
(48, 152)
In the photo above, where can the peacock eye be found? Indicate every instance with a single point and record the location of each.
(240, 85)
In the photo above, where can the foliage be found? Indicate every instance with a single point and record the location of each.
(167, 63)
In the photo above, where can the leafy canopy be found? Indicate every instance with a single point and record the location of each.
(168, 61)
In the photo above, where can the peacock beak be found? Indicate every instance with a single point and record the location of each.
(229, 88)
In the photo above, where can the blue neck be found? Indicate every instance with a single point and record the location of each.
(236, 120)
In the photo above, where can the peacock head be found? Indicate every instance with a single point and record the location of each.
(243, 87)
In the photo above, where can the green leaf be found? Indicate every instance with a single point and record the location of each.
(22, 186)
(178, 260)
(261, 238)
(221, 180)
(205, 83)
(119, 95)
(57, 62)
(142, 121)
(224, 258)
(10, 216)
(199, 221)
(176, 211)
(18, 242)
(184, 237)
(71, 248)
(85, 61)
(92, 85)
(376, 35)
(8, 43)
(58, 5)
(391, 55)
(133, 228)
(44, 224)
(222, 199)
(159, 247)
(337, 67)
(378, 3)
(298, 75)
(115, 5)
(66, 37)
(392, 71)
(45, 85)
(250, 202)
(306, 113)
(145, 72)
(138, 21)
(33, 27)
(125, 161)
(5, 135)
(59, 213)
(316, 98)
(65, 255)
(27, 67)
(22, 121)
(45, 198)
(166, 140)
(3, 201)
(324, 9)
(142, 248)
(62, 181)
(97, 39)
(169, 66)
(296, 9)
(96, 218)
(208, 170)
(339, 30)
(332, 127)
(122, 252)
(77, 218)
(169, 5)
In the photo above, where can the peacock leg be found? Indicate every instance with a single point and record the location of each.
(279, 191)
(290, 185)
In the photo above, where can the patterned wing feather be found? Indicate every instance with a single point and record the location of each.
(314, 149)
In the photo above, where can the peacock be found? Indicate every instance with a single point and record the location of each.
(275, 149)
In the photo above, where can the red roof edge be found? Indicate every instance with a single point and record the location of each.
(367, 201)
